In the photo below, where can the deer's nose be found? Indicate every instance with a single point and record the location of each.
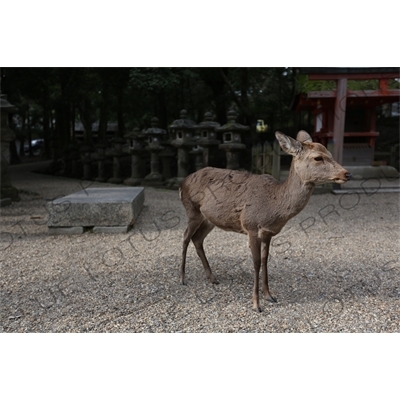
(348, 175)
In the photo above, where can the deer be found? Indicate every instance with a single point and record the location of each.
(258, 206)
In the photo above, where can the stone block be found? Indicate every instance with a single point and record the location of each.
(97, 207)
(74, 230)
(111, 229)
(369, 172)
(5, 202)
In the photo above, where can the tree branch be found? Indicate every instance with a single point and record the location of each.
(236, 98)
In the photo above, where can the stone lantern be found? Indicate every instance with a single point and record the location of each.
(7, 136)
(207, 136)
(155, 137)
(183, 130)
(232, 139)
(116, 153)
(136, 146)
(86, 157)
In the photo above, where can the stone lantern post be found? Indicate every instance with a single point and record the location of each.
(136, 146)
(168, 155)
(74, 154)
(7, 136)
(155, 136)
(232, 139)
(68, 161)
(116, 153)
(100, 156)
(86, 157)
(207, 136)
(198, 153)
(183, 129)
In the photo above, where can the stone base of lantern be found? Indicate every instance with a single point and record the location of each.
(101, 173)
(132, 181)
(10, 193)
(153, 179)
(115, 180)
(87, 171)
(100, 179)
(7, 189)
(5, 202)
(174, 183)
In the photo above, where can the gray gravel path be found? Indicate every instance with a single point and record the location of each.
(334, 268)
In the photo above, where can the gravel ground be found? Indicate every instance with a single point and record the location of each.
(333, 268)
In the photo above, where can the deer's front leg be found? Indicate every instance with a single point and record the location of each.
(254, 244)
(265, 242)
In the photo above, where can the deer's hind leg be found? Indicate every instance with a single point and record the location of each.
(193, 225)
(198, 238)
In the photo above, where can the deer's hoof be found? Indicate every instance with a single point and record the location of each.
(271, 299)
(214, 280)
(257, 309)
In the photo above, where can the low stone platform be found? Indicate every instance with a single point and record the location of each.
(98, 210)
(5, 202)
(370, 172)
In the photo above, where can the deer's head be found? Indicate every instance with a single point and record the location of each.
(313, 163)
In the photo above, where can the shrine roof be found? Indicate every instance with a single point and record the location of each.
(355, 98)
(347, 70)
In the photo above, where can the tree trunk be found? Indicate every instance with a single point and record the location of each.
(23, 131)
(21, 146)
(160, 109)
(85, 115)
(103, 113)
(214, 80)
(14, 159)
(244, 109)
(120, 113)
(46, 128)
(244, 84)
(28, 127)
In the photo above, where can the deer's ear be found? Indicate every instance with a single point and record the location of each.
(288, 144)
(304, 137)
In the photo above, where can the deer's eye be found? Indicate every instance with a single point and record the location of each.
(318, 158)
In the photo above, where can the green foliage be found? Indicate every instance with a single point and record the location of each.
(394, 84)
(304, 85)
(155, 79)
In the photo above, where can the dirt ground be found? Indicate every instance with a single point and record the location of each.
(333, 268)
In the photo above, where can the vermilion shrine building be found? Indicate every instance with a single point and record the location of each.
(346, 119)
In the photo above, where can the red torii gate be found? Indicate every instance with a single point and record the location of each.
(329, 106)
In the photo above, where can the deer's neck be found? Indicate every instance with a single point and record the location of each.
(295, 193)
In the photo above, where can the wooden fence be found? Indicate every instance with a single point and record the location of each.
(266, 159)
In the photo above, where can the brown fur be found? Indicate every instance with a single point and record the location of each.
(256, 205)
